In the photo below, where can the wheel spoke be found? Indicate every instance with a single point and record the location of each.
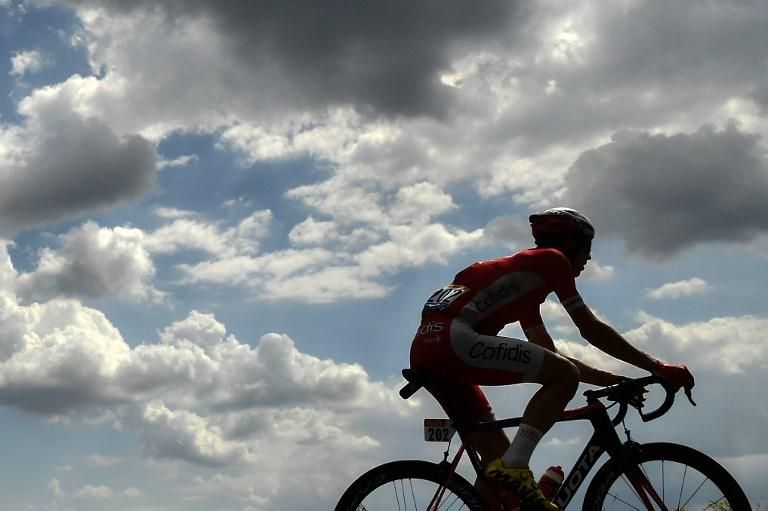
(642, 485)
(634, 490)
(695, 492)
(682, 485)
(616, 497)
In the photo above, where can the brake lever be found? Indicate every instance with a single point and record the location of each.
(638, 401)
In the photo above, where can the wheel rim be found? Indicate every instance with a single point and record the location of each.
(680, 487)
(411, 495)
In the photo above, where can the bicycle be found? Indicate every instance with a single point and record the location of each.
(653, 476)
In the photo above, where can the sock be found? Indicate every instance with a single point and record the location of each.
(519, 453)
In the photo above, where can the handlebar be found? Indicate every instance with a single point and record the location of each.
(631, 392)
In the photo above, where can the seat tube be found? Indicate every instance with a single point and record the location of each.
(438, 497)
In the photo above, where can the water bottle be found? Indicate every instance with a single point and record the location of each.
(551, 480)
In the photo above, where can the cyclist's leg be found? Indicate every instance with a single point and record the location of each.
(494, 360)
(464, 402)
(559, 379)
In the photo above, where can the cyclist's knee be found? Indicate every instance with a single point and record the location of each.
(561, 371)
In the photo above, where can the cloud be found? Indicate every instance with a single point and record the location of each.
(25, 62)
(198, 395)
(671, 290)
(61, 357)
(93, 262)
(60, 166)
(54, 485)
(330, 261)
(88, 492)
(184, 435)
(345, 53)
(726, 345)
(662, 194)
(189, 233)
(514, 230)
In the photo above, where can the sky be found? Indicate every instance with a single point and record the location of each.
(219, 222)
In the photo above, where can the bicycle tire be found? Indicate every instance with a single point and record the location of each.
(661, 464)
(409, 485)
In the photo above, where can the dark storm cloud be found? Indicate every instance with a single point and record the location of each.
(384, 56)
(663, 194)
(78, 166)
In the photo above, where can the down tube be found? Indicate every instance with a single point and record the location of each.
(578, 473)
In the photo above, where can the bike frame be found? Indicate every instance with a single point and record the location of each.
(603, 440)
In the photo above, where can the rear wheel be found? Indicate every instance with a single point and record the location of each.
(668, 477)
(411, 485)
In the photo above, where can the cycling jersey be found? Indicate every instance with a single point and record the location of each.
(457, 339)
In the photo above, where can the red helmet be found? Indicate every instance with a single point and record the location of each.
(561, 222)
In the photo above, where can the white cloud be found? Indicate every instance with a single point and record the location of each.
(60, 356)
(354, 265)
(596, 271)
(54, 485)
(181, 161)
(180, 434)
(194, 234)
(89, 492)
(314, 232)
(93, 262)
(227, 405)
(726, 345)
(132, 493)
(420, 203)
(672, 290)
(26, 62)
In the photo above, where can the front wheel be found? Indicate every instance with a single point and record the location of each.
(668, 477)
(410, 485)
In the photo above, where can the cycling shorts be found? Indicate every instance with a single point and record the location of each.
(463, 359)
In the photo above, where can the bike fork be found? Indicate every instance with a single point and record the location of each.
(644, 489)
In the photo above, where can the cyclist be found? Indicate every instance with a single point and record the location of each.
(458, 342)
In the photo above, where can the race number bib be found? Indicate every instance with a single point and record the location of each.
(444, 297)
(438, 430)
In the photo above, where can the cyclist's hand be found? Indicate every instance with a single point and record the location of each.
(677, 375)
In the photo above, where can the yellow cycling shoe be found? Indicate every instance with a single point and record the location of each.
(520, 482)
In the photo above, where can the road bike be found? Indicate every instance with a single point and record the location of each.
(641, 477)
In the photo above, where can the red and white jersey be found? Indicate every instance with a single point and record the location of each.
(491, 294)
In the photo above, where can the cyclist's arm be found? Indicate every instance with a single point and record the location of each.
(608, 340)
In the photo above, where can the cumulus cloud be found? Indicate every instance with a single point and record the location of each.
(691, 287)
(60, 356)
(662, 194)
(61, 167)
(100, 492)
(329, 261)
(24, 62)
(92, 262)
(729, 345)
(514, 230)
(189, 233)
(198, 395)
